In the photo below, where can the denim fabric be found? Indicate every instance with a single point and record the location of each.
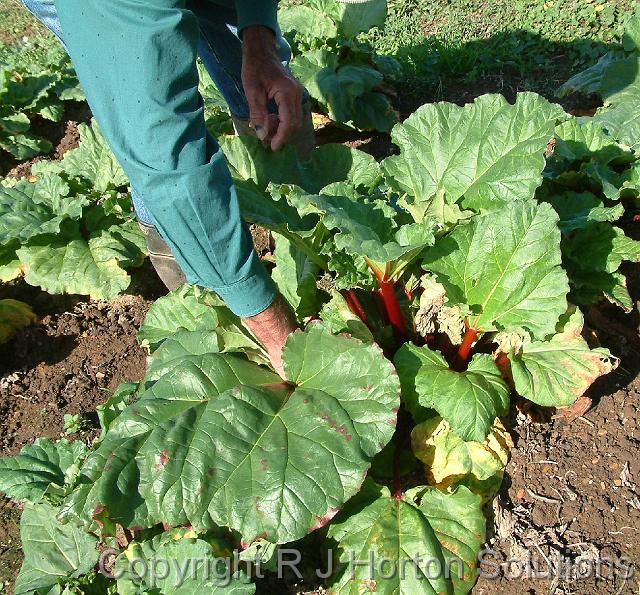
(219, 48)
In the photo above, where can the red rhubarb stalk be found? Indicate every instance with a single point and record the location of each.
(386, 290)
(388, 294)
(355, 305)
(462, 356)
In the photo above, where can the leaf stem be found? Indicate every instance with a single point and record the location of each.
(388, 294)
(387, 291)
(462, 356)
(354, 304)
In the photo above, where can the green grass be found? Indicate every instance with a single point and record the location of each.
(16, 22)
(519, 44)
(449, 49)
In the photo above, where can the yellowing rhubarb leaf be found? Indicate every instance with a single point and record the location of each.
(450, 461)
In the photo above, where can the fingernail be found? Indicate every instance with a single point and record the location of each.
(261, 133)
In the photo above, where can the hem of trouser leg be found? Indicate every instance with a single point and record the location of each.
(249, 297)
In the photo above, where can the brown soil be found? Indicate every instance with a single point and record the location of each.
(63, 135)
(68, 363)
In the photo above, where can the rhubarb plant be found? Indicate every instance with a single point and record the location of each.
(29, 90)
(69, 227)
(345, 78)
(433, 291)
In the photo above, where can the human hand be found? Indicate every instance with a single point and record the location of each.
(264, 78)
(272, 327)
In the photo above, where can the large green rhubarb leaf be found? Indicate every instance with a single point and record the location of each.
(296, 276)
(590, 79)
(556, 372)
(622, 122)
(505, 266)
(367, 227)
(483, 155)
(388, 546)
(470, 401)
(579, 209)
(184, 566)
(220, 441)
(325, 19)
(345, 91)
(93, 160)
(307, 22)
(249, 160)
(580, 141)
(69, 263)
(24, 213)
(41, 468)
(53, 552)
(10, 267)
(460, 526)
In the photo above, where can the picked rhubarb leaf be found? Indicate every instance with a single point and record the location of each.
(555, 373)
(249, 160)
(221, 441)
(483, 155)
(450, 461)
(375, 526)
(470, 401)
(505, 267)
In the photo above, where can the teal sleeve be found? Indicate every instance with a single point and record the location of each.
(251, 12)
(136, 61)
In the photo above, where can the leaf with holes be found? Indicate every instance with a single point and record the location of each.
(555, 373)
(450, 461)
(396, 535)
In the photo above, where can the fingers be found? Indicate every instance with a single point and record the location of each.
(288, 98)
(258, 112)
